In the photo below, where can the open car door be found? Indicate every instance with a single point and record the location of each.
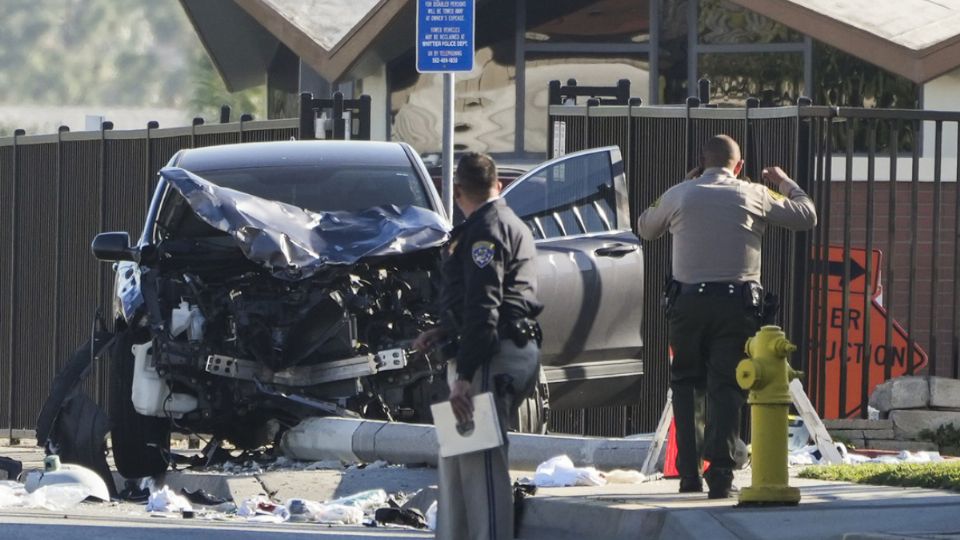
(590, 267)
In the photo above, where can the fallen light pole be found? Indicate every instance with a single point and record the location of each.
(350, 440)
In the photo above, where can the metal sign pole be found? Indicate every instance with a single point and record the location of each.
(445, 44)
(448, 80)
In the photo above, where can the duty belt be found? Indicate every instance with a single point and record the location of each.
(714, 288)
(522, 332)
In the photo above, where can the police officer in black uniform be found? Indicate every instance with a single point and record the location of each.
(717, 222)
(488, 306)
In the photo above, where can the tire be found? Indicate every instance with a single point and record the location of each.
(140, 443)
(533, 414)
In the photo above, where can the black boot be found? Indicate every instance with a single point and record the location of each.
(720, 482)
(691, 484)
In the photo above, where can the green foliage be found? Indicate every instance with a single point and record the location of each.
(131, 53)
(942, 475)
(946, 436)
(209, 94)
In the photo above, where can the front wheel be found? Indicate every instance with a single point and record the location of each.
(140, 443)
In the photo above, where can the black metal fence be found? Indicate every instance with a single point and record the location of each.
(59, 190)
(828, 294)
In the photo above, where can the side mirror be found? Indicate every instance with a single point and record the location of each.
(112, 247)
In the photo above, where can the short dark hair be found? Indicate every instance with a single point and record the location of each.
(476, 174)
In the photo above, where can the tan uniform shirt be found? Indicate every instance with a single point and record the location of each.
(717, 223)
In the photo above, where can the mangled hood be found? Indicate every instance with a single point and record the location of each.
(293, 243)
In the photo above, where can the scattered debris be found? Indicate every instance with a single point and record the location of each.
(259, 509)
(12, 467)
(559, 471)
(328, 513)
(201, 497)
(622, 476)
(408, 517)
(165, 500)
(55, 473)
(55, 497)
(431, 516)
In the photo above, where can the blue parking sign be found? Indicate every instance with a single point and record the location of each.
(445, 35)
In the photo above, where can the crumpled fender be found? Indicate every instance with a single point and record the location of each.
(294, 243)
(70, 422)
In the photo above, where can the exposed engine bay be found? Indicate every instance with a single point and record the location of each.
(225, 347)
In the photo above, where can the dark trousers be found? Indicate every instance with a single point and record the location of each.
(707, 335)
(476, 497)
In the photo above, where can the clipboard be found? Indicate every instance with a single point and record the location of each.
(483, 434)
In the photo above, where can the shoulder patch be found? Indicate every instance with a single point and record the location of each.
(482, 252)
(776, 194)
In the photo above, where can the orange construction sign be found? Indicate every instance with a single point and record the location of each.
(858, 271)
(865, 319)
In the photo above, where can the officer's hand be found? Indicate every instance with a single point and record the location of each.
(774, 176)
(428, 339)
(460, 400)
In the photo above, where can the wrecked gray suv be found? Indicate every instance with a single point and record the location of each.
(278, 281)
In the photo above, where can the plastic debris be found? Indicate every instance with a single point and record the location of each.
(55, 473)
(622, 476)
(262, 510)
(810, 455)
(328, 513)
(364, 500)
(431, 516)
(165, 500)
(331, 464)
(559, 471)
(56, 497)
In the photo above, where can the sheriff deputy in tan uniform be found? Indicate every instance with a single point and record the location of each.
(717, 222)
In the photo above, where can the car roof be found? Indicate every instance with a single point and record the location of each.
(293, 153)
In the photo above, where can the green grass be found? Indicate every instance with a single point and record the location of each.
(944, 475)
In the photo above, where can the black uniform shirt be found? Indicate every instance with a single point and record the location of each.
(489, 280)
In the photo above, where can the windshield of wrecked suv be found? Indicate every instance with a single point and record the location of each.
(323, 188)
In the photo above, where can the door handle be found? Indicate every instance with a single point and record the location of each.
(616, 250)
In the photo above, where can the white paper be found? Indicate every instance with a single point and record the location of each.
(486, 427)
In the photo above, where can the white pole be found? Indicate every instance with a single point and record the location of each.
(448, 79)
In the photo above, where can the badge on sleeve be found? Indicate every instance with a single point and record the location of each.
(482, 252)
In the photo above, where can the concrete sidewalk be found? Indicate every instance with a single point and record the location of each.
(655, 510)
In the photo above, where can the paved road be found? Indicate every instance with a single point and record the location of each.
(39, 525)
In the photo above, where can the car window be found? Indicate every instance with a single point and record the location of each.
(327, 188)
(573, 196)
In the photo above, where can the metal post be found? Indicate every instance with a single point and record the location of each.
(224, 114)
(11, 350)
(448, 95)
(308, 119)
(339, 126)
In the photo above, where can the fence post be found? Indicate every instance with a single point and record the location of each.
(364, 132)
(149, 172)
(197, 121)
(339, 124)
(692, 103)
(245, 117)
(11, 349)
(703, 91)
(623, 92)
(101, 224)
(308, 118)
(224, 114)
(58, 244)
(800, 297)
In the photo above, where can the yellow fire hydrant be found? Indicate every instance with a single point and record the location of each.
(767, 374)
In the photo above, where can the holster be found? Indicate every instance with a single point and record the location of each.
(671, 290)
